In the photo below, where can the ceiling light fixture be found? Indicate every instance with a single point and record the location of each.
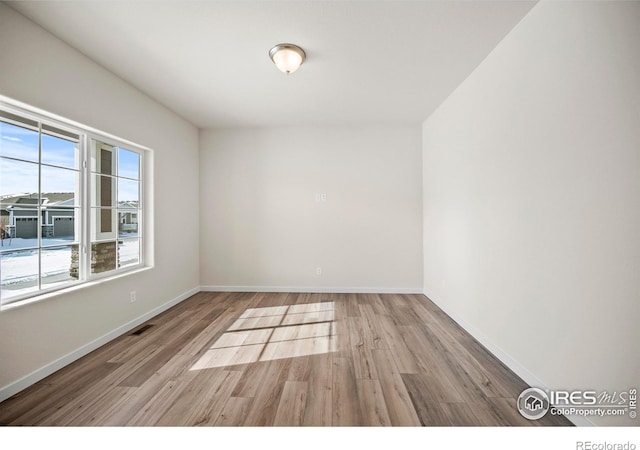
(287, 57)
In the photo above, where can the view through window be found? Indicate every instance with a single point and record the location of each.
(51, 204)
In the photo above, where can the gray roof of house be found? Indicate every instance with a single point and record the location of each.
(51, 198)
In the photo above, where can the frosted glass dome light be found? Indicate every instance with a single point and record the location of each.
(287, 57)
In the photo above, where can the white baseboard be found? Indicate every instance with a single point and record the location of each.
(520, 370)
(38, 374)
(312, 289)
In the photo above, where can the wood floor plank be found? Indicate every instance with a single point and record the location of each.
(191, 407)
(403, 358)
(446, 367)
(505, 411)
(153, 410)
(346, 407)
(267, 399)
(25, 401)
(300, 369)
(90, 414)
(128, 407)
(146, 370)
(460, 356)
(397, 301)
(219, 399)
(319, 406)
(251, 380)
(290, 359)
(210, 333)
(373, 335)
(290, 411)
(379, 307)
(404, 314)
(363, 365)
(425, 403)
(234, 412)
(401, 410)
(464, 415)
(350, 302)
(372, 404)
(423, 351)
(63, 395)
(495, 370)
(81, 401)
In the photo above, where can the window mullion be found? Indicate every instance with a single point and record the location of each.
(85, 244)
(116, 203)
(39, 207)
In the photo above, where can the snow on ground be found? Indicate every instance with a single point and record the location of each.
(19, 269)
(20, 243)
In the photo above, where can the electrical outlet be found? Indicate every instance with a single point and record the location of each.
(132, 296)
(318, 271)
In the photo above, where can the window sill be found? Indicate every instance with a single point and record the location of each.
(74, 288)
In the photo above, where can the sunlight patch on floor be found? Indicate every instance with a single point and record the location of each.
(278, 332)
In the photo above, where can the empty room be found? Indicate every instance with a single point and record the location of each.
(320, 213)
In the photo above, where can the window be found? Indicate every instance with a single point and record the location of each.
(115, 238)
(70, 205)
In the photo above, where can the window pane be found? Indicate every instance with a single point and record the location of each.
(128, 252)
(19, 271)
(60, 186)
(128, 164)
(60, 225)
(18, 142)
(60, 265)
(104, 191)
(59, 152)
(103, 257)
(128, 222)
(128, 192)
(18, 182)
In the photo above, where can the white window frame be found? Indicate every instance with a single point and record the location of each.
(116, 144)
(83, 239)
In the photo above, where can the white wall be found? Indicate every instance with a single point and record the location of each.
(532, 198)
(261, 227)
(38, 69)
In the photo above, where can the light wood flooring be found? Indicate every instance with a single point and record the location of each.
(263, 359)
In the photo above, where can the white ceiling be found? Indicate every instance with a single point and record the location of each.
(367, 61)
